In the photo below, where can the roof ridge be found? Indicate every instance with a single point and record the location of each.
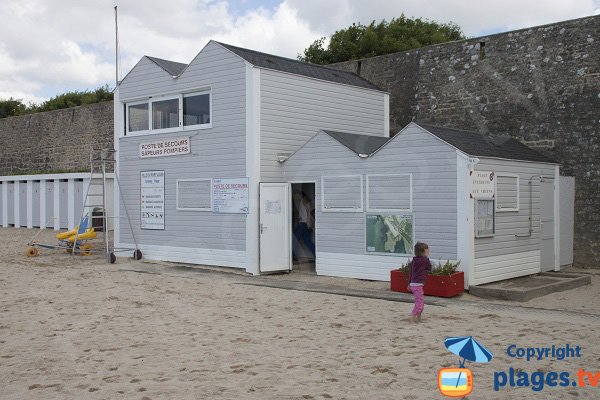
(332, 69)
(164, 59)
(287, 58)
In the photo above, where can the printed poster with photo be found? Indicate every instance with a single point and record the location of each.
(390, 233)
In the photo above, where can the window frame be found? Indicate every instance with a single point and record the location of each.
(135, 103)
(476, 218)
(511, 209)
(210, 110)
(392, 210)
(179, 96)
(338, 209)
(209, 209)
(179, 112)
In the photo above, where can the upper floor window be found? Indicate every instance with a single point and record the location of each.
(169, 113)
(196, 109)
(165, 114)
(137, 117)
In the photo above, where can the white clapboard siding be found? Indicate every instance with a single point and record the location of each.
(507, 192)
(389, 192)
(340, 235)
(294, 108)
(506, 266)
(225, 258)
(217, 152)
(509, 224)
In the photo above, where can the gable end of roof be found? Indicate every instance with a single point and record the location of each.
(171, 67)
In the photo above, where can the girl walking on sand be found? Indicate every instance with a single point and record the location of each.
(419, 267)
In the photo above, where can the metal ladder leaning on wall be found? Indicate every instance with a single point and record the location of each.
(99, 160)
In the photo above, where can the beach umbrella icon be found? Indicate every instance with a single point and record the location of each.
(468, 348)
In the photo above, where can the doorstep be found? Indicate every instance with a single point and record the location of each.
(528, 287)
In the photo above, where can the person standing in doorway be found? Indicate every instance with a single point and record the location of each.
(305, 222)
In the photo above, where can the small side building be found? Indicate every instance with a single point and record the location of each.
(490, 203)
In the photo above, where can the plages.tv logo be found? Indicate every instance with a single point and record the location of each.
(458, 382)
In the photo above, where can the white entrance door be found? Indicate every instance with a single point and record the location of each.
(547, 224)
(275, 232)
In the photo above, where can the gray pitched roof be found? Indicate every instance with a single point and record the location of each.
(478, 145)
(289, 65)
(360, 144)
(172, 67)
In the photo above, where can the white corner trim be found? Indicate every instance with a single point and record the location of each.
(252, 262)
(465, 228)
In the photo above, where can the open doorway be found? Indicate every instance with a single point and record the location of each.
(303, 227)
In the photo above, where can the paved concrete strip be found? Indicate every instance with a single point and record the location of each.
(340, 290)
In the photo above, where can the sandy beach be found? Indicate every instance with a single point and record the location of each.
(78, 328)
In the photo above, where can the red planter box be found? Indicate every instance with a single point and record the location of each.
(441, 286)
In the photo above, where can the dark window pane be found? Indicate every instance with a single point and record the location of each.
(196, 109)
(165, 114)
(138, 117)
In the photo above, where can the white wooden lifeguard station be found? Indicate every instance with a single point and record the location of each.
(212, 155)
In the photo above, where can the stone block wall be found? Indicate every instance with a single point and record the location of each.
(540, 85)
(55, 141)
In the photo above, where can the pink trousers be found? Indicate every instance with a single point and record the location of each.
(419, 300)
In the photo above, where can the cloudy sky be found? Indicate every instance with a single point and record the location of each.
(50, 46)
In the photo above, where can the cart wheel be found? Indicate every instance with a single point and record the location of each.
(137, 254)
(113, 258)
(31, 252)
(85, 250)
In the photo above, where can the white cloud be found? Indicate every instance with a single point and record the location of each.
(473, 17)
(53, 46)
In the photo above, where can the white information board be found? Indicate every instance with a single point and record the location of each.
(230, 195)
(483, 185)
(152, 199)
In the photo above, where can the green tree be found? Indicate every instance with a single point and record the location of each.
(11, 107)
(77, 98)
(361, 41)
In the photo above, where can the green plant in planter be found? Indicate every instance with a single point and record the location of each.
(448, 268)
(439, 269)
(405, 268)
